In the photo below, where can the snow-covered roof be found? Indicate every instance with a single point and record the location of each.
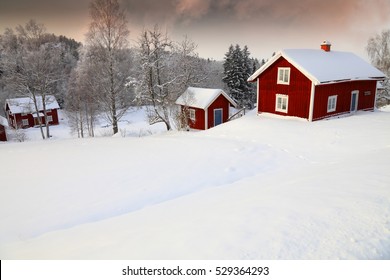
(26, 105)
(325, 67)
(3, 121)
(202, 97)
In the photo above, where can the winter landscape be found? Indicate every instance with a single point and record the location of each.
(260, 187)
(119, 140)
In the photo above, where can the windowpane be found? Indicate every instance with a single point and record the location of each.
(284, 103)
(286, 73)
(281, 74)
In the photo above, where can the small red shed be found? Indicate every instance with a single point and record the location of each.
(206, 107)
(3, 125)
(316, 84)
(21, 112)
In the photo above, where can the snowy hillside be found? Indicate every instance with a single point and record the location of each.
(260, 187)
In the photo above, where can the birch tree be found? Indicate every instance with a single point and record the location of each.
(107, 42)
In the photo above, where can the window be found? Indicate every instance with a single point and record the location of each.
(283, 76)
(281, 103)
(332, 102)
(25, 122)
(192, 114)
(49, 119)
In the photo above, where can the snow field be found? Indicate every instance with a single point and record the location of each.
(260, 187)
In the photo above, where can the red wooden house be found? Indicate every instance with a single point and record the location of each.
(3, 125)
(206, 107)
(21, 112)
(315, 84)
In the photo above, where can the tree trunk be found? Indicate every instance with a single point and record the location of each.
(45, 116)
(37, 111)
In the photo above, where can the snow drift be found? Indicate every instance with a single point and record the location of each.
(261, 187)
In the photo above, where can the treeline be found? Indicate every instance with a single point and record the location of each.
(106, 76)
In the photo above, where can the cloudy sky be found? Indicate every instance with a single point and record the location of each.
(264, 25)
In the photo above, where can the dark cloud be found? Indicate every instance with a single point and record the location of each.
(265, 25)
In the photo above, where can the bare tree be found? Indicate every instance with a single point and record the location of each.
(108, 41)
(378, 49)
(154, 79)
(31, 65)
(166, 69)
(81, 101)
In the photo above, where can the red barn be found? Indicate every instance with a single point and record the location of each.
(315, 84)
(3, 125)
(206, 107)
(21, 112)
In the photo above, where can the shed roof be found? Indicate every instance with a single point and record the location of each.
(202, 97)
(26, 104)
(326, 67)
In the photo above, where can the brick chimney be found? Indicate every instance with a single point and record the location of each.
(326, 46)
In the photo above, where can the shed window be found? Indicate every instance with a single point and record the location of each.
(49, 119)
(192, 114)
(25, 122)
(284, 75)
(332, 103)
(281, 103)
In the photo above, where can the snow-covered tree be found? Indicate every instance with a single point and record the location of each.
(166, 69)
(378, 48)
(32, 66)
(81, 101)
(155, 77)
(107, 41)
(238, 66)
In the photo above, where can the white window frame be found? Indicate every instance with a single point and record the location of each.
(25, 122)
(192, 114)
(279, 105)
(283, 75)
(49, 119)
(332, 103)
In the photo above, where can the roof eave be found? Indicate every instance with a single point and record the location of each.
(352, 79)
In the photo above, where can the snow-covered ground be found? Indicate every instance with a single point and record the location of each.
(260, 187)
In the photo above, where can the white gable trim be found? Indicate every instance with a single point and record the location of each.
(226, 96)
(292, 62)
(264, 67)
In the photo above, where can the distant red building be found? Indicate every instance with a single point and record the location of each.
(3, 125)
(315, 84)
(206, 107)
(21, 112)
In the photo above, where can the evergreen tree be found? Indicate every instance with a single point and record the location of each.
(238, 67)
